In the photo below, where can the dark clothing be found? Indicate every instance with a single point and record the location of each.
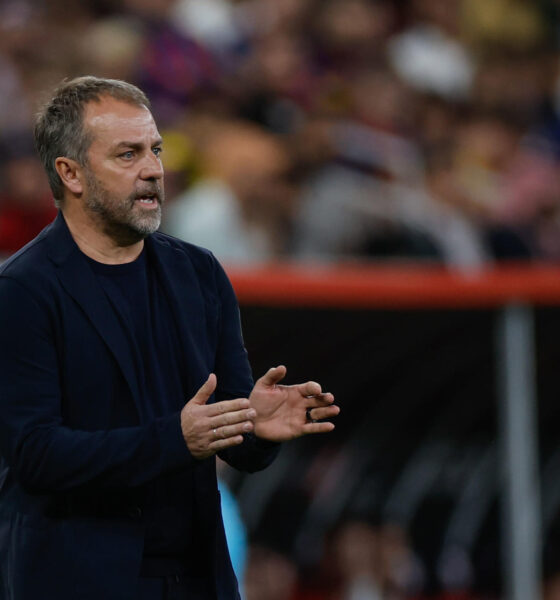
(153, 588)
(80, 447)
(141, 305)
(173, 587)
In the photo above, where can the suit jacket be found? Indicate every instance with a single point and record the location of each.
(72, 477)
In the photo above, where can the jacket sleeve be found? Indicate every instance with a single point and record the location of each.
(233, 372)
(44, 454)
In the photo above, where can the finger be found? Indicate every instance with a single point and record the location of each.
(273, 375)
(231, 418)
(324, 399)
(207, 389)
(322, 427)
(309, 388)
(323, 412)
(218, 445)
(229, 431)
(227, 406)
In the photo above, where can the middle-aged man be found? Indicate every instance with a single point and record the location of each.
(122, 375)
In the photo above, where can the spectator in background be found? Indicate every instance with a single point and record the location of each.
(15, 111)
(25, 200)
(368, 561)
(45, 45)
(271, 575)
(356, 555)
(212, 23)
(240, 207)
(532, 203)
(171, 66)
(111, 48)
(429, 54)
(363, 183)
(552, 588)
(514, 81)
(350, 34)
(277, 84)
(506, 23)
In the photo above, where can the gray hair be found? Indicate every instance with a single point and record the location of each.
(59, 127)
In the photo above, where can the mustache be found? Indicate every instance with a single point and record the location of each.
(152, 189)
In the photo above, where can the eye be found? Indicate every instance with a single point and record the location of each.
(157, 150)
(128, 155)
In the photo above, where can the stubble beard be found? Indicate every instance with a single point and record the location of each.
(123, 220)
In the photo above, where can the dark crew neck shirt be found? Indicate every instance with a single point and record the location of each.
(140, 302)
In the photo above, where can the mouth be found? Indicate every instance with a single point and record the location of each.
(148, 200)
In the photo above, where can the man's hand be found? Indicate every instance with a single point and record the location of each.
(208, 428)
(286, 412)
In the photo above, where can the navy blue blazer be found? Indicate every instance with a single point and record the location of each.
(72, 478)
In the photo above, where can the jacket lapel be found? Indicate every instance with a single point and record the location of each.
(78, 279)
(181, 284)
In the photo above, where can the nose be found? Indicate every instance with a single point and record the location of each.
(151, 167)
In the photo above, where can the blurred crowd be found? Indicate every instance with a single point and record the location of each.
(314, 130)
(362, 561)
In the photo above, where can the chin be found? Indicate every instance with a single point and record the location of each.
(145, 227)
(131, 232)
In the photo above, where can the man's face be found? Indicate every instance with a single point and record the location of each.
(123, 191)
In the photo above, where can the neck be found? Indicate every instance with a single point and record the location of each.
(96, 243)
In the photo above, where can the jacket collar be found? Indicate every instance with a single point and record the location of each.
(180, 282)
(79, 280)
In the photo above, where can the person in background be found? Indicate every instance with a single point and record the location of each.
(25, 201)
(240, 205)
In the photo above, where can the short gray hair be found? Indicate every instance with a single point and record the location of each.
(59, 127)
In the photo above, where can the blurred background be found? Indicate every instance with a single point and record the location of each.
(330, 133)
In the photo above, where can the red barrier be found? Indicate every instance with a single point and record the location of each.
(381, 286)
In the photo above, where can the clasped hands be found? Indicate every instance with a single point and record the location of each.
(273, 412)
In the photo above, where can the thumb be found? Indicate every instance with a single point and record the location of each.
(205, 391)
(273, 375)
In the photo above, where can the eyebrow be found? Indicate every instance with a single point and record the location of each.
(137, 145)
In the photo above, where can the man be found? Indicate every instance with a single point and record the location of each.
(107, 474)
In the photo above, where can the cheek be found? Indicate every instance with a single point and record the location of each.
(120, 187)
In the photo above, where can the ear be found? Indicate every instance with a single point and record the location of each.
(70, 173)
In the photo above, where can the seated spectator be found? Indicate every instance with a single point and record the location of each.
(270, 574)
(26, 204)
(111, 48)
(429, 54)
(240, 206)
(171, 67)
(513, 23)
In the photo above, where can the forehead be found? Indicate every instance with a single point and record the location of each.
(112, 121)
